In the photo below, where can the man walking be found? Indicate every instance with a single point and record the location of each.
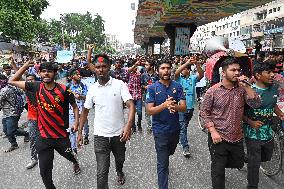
(107, 96)
(222, 111)
(164, 100)
(52, 100)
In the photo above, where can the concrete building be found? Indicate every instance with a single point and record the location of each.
(264, 23)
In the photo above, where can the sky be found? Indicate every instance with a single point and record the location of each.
(117, 14)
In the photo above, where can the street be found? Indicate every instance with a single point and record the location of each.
(140, 166)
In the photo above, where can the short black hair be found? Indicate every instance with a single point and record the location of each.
(48, 66)
(72, 71)
(6, 66)
(258, 68)
(31, 75)
(102, 55)
(229, 60)
(165, 61)
(261, 54)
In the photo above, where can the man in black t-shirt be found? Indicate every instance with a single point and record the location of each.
(52, 101)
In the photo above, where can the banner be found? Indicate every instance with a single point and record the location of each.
(182, 41)
(157, 48)
(64, 56)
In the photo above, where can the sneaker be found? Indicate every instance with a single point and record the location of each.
(86, 141)
(133, 130)
(12, 148)
(186, 153)
(76, 169)
(32, 164)
(27, 138)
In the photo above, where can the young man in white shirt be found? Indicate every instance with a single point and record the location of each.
(110, 132)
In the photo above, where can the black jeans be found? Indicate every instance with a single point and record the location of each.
(103, 147)
(224, 155)
(258, 151)
(45, 149)
(165, 145)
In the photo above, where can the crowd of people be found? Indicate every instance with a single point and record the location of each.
(58, 99)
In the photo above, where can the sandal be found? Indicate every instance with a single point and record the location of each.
(121, 178)
(12, 148)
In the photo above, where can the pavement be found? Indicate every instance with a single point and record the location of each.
(140, 166)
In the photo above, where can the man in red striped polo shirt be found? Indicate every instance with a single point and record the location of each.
(52, 101)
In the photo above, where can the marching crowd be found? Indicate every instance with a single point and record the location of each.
(233, 111)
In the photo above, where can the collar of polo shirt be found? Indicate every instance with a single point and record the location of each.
(108, 83)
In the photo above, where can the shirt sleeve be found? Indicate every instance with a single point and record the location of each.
(206, 108)
(71, 96)
(32, 86)
(125, 95)
(89, 103)
(254, 102)
(150, 95)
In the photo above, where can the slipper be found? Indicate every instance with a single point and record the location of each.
(121, 179)
(12, 148)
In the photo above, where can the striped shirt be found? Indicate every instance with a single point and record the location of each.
(225, 108)
(53, 106)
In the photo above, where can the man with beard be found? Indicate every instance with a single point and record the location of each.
(52, 100)
(222, 111)
(164, 100)
(110, 134)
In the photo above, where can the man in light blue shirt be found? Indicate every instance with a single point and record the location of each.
(188, 82)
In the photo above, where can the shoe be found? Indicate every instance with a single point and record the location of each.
(12, 148)
(86, 141)
(76, 168)
(140, 129)
(133, 130)
(32, 164)
(120, 178)
(27, 138)
(186, 153)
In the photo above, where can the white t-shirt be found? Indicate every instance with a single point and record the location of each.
(108, 102)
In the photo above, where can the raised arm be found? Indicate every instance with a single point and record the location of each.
(15, 79)
(190, 61)
(89, 58)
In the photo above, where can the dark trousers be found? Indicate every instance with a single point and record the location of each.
(184, 118)
(11, 129)
(224, 155)
(34, 136)
(45, 149)
(258, 151)
(103, 147)
(165, 145)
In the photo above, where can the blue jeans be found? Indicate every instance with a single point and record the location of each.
(184, 118)
(10, 127)
(34, 136)
(165, 145)
(138, 106)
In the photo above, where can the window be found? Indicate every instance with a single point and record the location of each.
(236, 23)
(274, 9)
(223, 26)
(238, 33)
(232, 24)
(278, 8)
(239, 22)
(230, 34)
(270, 11)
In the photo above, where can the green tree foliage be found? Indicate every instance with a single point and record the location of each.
(20, 19)
(81, 29)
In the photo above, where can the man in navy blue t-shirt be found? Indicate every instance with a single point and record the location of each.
(164, 100)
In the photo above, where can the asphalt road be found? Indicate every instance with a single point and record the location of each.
(140, 166)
